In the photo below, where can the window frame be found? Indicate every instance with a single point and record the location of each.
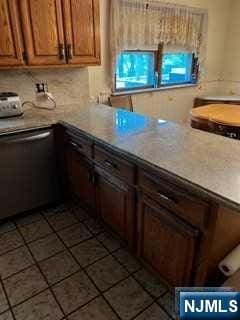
(158, 60)
(137, 88)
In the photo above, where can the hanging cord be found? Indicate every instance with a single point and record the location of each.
(31, 103)
(53, 107)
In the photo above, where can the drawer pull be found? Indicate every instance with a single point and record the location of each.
(110, 164)
(166, 198)
(76, 146)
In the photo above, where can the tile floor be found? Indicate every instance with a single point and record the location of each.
(62, 264)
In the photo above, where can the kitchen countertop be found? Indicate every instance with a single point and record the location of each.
(207, 163)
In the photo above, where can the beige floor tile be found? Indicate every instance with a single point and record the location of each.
(15, 261)
(88, 252)
(74, 292)
(168, 303)
(24, 285)
(98, 309)
(106, 272)
(59, 267)
(30, 218)
(79, 213)
(61, 220)
(35, 230)
(150, 283)
(46, 247)
(10, 240)
(3, 301)
(125, 258)
(128, 298)
(6, 316)
(41, 307)
(153, 313)
(110, 242)
(94, 226)
(74, 234)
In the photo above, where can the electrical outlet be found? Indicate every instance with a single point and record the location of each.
(42, 94)
(41, 87)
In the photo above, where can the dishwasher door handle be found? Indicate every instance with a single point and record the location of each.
(28, 139)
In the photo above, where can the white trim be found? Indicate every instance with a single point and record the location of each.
(139, 91)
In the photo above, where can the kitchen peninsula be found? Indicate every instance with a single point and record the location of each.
(171, 192)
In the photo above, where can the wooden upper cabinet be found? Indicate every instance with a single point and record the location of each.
(82, 31)
(43, 31)
(10, 39)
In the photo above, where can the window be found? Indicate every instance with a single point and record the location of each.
(176, 68)
(149, 69)
(135, 70)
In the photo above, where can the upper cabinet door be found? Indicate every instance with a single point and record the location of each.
(10, 39)
(43, 31)
(82, 31)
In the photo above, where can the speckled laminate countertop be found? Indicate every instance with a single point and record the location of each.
(207, 163)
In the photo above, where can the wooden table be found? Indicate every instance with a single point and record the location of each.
(223, 119)
(216, 99)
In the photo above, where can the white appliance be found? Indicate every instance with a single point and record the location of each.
(10, 105)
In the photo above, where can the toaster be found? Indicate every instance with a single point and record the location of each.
(10, 105)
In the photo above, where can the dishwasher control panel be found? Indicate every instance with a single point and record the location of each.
(10, 105)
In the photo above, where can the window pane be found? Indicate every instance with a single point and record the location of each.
(176, 68)
(135, 70)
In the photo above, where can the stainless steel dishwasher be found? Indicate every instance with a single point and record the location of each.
(28, 175)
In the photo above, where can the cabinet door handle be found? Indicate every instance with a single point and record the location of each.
(91, 176)
(62, 51)
(110, 164)
(166, 197)
(69, 51)
(76, 146)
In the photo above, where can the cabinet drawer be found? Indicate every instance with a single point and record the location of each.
(192, 209)
(80, 144)
(114, 164)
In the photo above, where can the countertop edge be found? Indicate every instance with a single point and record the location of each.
(195, 188)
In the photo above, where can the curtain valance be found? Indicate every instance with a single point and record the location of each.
(139, 24)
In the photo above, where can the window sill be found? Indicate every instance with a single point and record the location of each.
(149, 90)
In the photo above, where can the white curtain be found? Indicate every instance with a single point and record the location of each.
(139, 24)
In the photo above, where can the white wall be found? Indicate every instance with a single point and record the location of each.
(231, 74)
(173, 104)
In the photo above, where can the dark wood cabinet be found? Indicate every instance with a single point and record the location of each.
(81, 20)
(11, 50)
(81, 178)
(176, 232)
(116, 203)
(166, 243)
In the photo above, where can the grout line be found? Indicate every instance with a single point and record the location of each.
(8, 301)
(84, 271)
(11, 250)
(142, 311)
(44, 277)
(110, 253)
(22, 270)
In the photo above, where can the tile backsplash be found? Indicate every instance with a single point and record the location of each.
(68, 86)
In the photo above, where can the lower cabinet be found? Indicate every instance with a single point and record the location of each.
(81, 178)
(166, 243)
(116, 205)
